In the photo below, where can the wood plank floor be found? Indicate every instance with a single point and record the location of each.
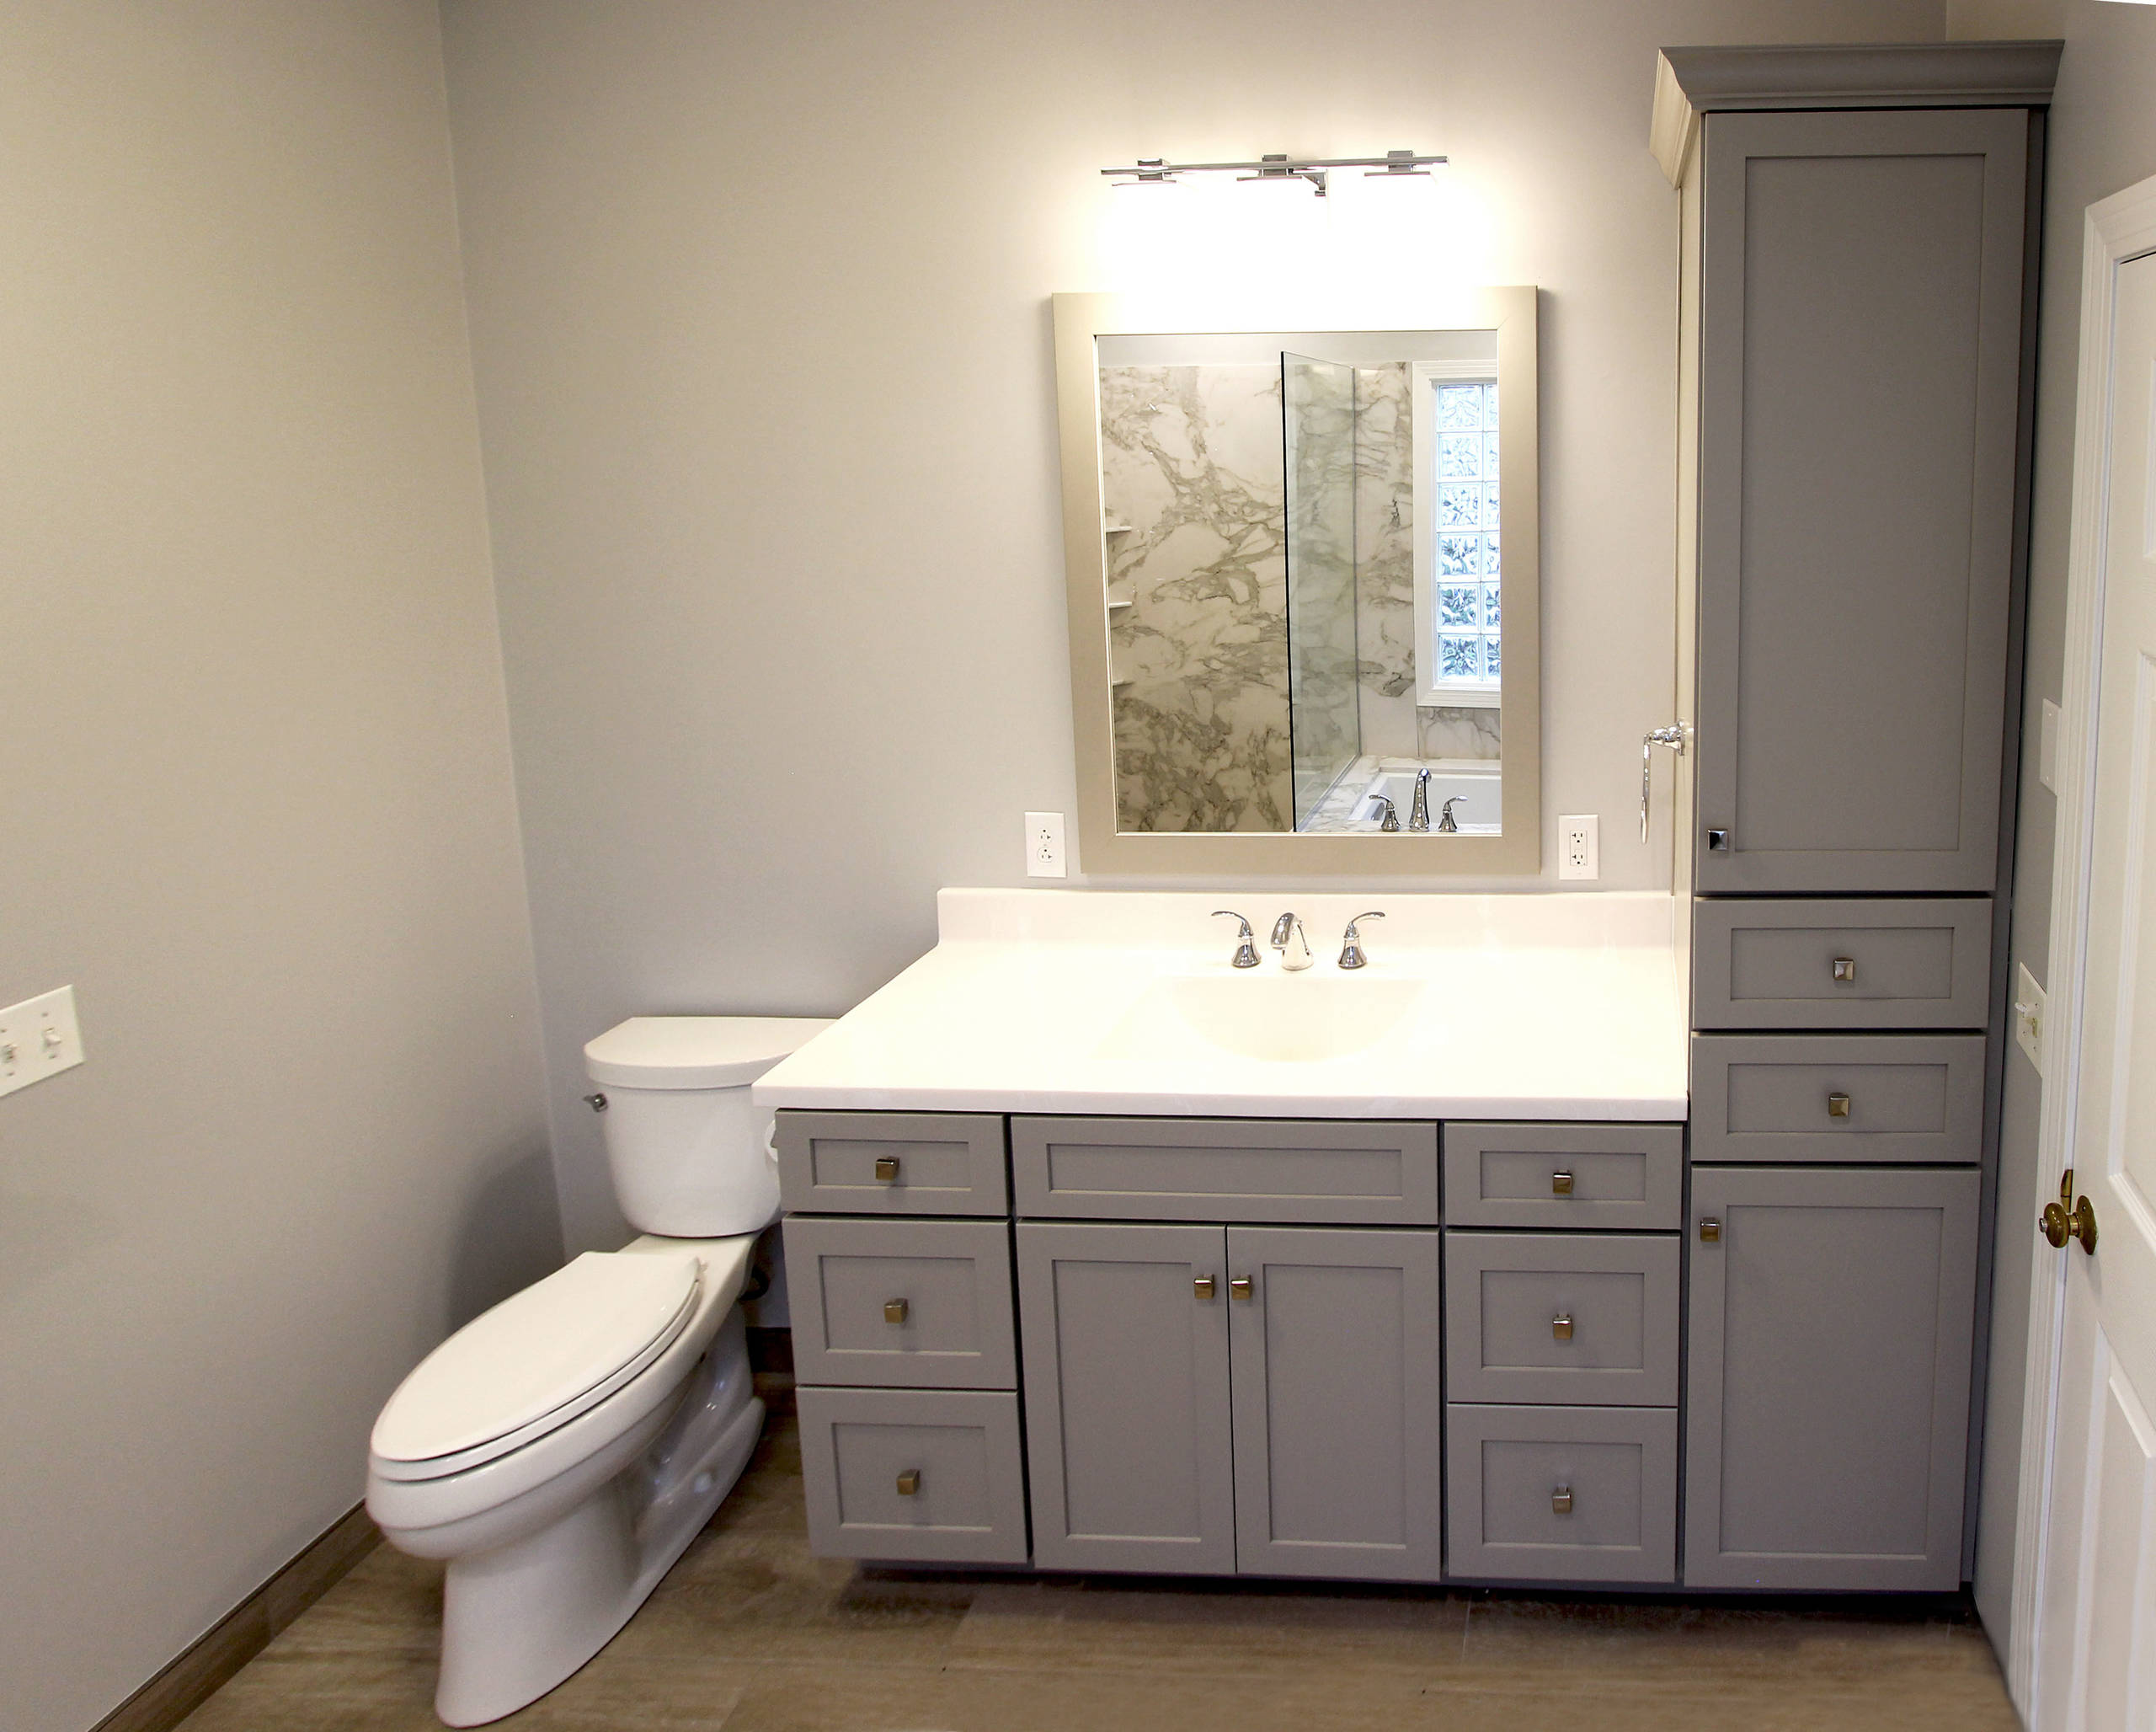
(750, 1633)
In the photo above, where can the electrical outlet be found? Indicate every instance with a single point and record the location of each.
(2029, 1004)
(1579, 847)
(39, 1038)
(1044, 845)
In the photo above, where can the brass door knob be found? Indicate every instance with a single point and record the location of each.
(1204, 1287)
(886, 1169)
(2069, 1218)
(1561, 1184)
(894, 1311)
(1845, 969)
(1709, 1230)
(910, 1482)
(1560, 1500)
(1561, 1326)
(1838, 1105)
(1239, 1286)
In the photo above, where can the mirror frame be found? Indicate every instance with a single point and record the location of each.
(1104, 850)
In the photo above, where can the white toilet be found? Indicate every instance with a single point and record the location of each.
(562, 1451)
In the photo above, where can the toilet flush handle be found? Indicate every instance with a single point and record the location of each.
(597, 1102)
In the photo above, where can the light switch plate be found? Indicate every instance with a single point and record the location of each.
(39, 1038)
(2047, 747)
(1044, 845)
(2029, 1004)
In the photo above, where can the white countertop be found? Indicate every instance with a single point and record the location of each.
(1530, 1006)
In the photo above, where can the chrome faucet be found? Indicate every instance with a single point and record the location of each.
(1351, 944)
(1418, 814)
(1445, 823)
(1288, 940)
(1246, 954)
(1390, 818)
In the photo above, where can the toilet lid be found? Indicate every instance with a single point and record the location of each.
(538, 1359)
(694, 1051)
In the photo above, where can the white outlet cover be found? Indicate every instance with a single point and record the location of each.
(39, 1038)
(2047, 746)
(1044, 845)
(2029, 1004)
(1579, 845)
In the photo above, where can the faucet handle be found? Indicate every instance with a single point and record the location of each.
(1350, 945)
(1245, 952)
(1446, 822)
(1390, 818)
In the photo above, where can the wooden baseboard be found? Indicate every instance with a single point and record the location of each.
(198, 1674)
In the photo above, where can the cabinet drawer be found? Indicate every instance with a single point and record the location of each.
(1804, 1098)
(892, 1163)
(1561, 1494)
(1564, 1175)
(1347, 1170)
(919, 1304)
(1573, 1318)
(933, 1475)
(1894, 964)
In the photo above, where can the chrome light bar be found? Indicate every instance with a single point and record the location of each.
(1152, 171)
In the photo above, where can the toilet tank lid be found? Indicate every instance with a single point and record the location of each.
(694, 1051)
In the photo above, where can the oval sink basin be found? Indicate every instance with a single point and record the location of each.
(1294, 1017)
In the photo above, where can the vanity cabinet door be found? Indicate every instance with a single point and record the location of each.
(1828, 1405)
(1337, 1405)
(1859, 369)
(1125, 1333)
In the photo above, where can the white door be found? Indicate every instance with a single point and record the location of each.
(2096, 1629)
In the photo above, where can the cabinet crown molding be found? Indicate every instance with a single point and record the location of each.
(1693, 82)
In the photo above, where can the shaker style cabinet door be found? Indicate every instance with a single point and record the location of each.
(1861, 305)
(1827, 1409)
(1125, 1333)
(1339, 1470)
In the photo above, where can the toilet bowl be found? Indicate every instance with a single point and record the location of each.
(561, 1450)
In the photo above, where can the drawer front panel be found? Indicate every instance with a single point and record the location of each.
(1565, 1176)
(915, 1304)
(891, 1164)
(1855, 1097)
(910, 1474)
(1561, 1494)
(1567, 1318)
(1349, 1171)
(1894, 964)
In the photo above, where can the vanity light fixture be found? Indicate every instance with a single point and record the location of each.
(1393, 164)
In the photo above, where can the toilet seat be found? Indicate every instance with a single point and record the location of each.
(535, 1362)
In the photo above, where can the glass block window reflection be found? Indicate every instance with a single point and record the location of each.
(1468, 617)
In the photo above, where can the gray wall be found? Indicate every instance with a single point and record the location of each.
(2102, 138)
(256, 806)
(758, 298)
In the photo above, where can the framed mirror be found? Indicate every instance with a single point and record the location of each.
(1303, 588)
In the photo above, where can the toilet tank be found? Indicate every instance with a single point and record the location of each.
(688, 1152)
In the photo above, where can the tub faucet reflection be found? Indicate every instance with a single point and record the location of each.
(1418, 814)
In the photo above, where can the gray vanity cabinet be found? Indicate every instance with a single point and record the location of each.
(1860, 305)
(1828, 1401)
(1205, 1399)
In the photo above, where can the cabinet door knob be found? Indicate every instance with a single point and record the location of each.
(1838, 1105)
(1718, 842)
(1709, 1230)
(1239, 1287)
(1560, 1500)
(886, 1169)
(1561, 1326)
(1204, 1287)
(1845, 969)
(910, 1482)
(1561, 1184)
(894, 1311)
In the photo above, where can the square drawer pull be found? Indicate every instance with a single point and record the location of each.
(1561, 1184)
(1709, 1230)
(910, 1482)
(1239, 1286)
(1203, 1285)
(886, 1169)
(894, 1311)
(1561, 1326)
(1838, 1105)
(1845, 969)
(1560, 1500)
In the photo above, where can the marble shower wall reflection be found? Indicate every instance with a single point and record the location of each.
(1319, 431)
(1192, 486)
